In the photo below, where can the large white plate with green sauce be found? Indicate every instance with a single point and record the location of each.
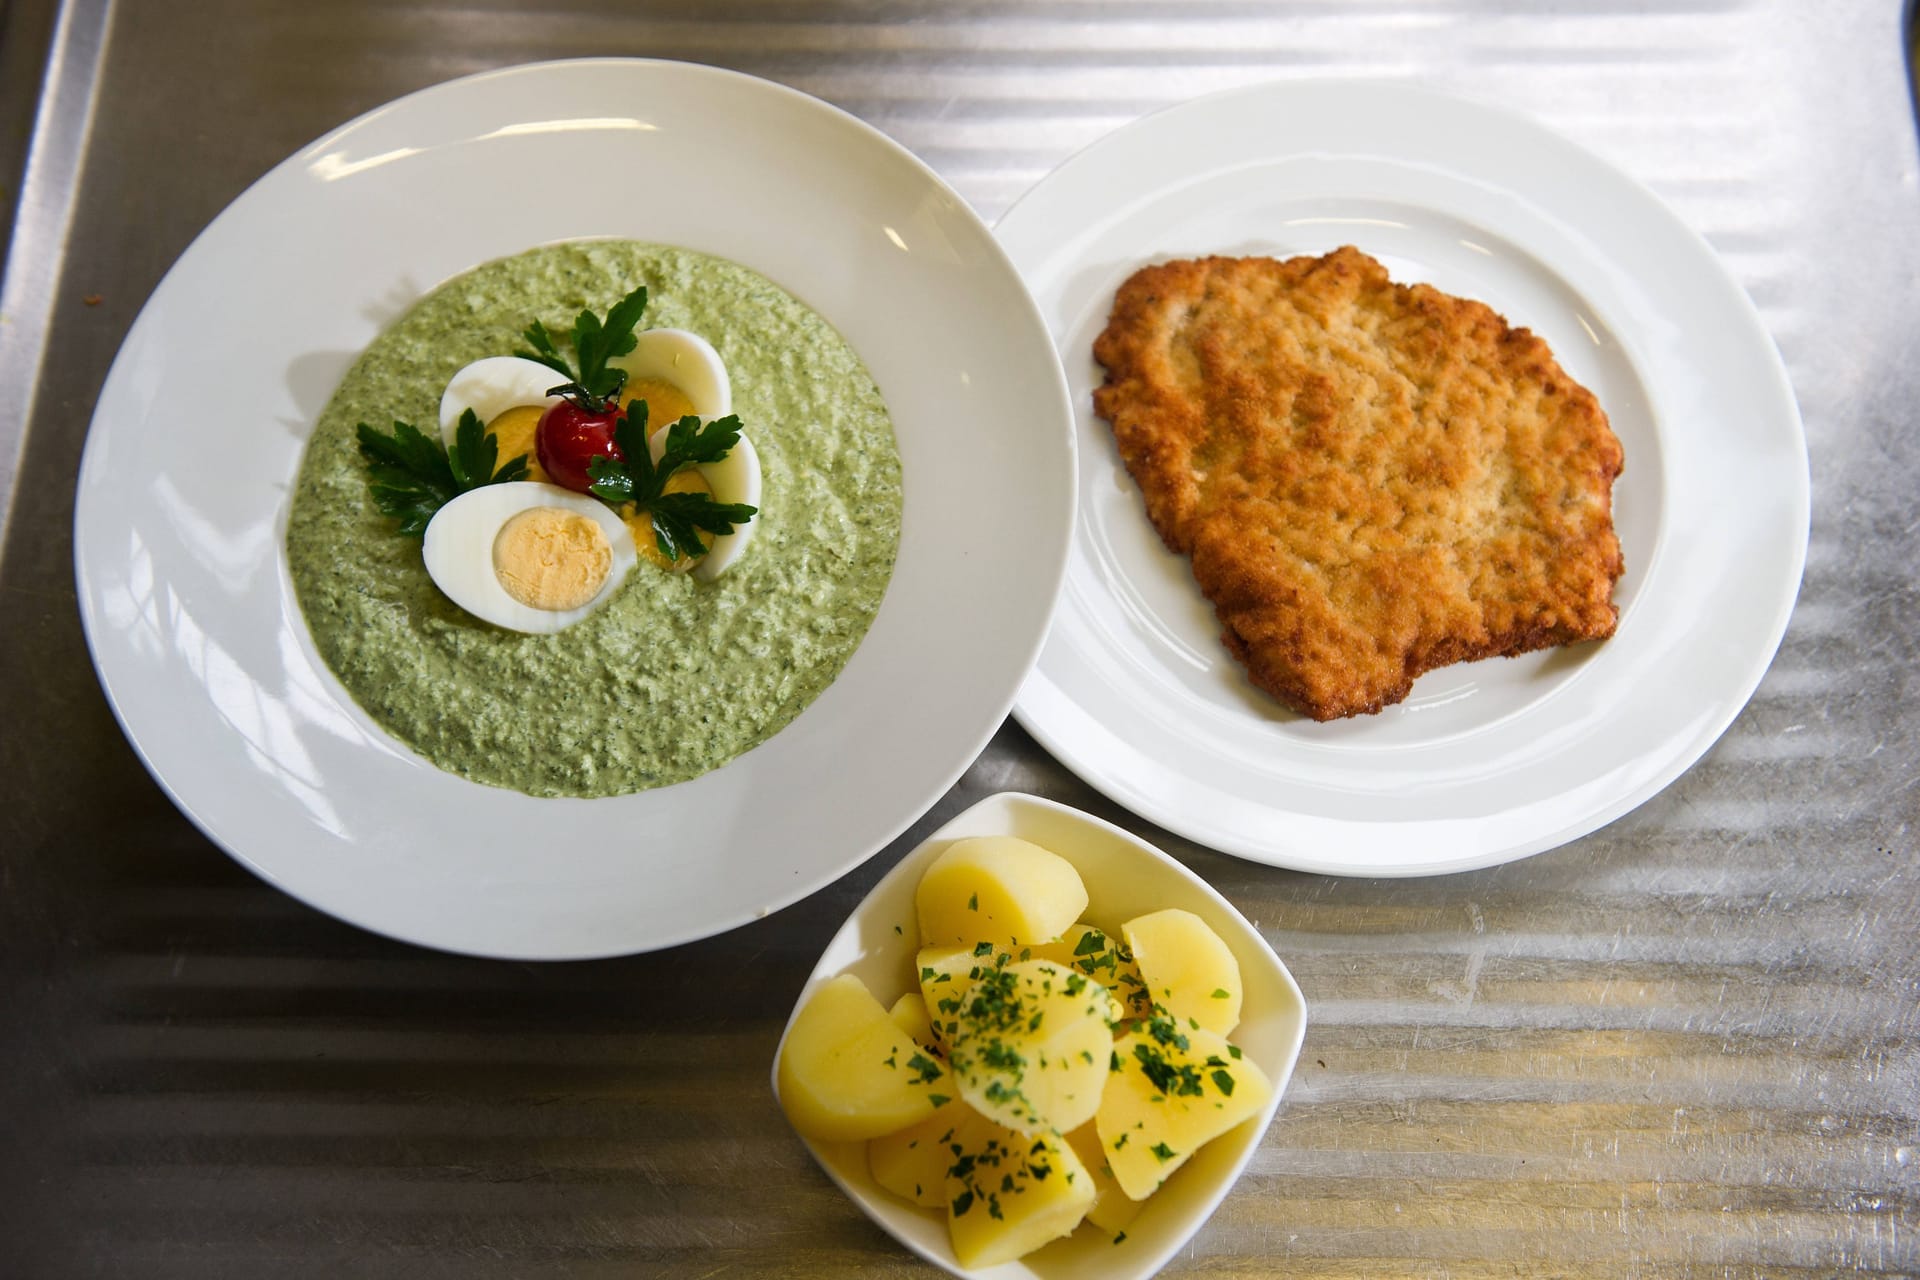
(199, 431)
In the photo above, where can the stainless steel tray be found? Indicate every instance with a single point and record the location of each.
(1686, 1045)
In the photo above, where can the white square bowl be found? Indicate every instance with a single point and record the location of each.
(1125, 877)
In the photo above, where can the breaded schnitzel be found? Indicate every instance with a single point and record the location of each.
(1372, 480)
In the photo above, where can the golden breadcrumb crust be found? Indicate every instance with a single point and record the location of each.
(1372, 480)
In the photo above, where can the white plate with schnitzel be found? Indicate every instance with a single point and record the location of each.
(1488, 761)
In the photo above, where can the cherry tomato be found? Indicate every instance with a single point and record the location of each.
(569, 437)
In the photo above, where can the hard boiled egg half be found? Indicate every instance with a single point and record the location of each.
(527, 556)
(735, 478)
(508, 394)
(676, 373)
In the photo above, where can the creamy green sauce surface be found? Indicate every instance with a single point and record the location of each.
(672, 677)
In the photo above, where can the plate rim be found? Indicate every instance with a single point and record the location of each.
(899, 816)
(1188, 822)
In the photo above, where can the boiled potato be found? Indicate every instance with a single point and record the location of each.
(997, 889)
(913, 1163)
(909, 1013)
(1036, 1118)
(1189, 971)
(1112, 1208)
(1031, 1046)
(848, 1072)
(1008, 1193)
(946, 974)
(1103, 957)
(1177, 1088)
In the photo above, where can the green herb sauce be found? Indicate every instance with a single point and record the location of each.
(672, 677)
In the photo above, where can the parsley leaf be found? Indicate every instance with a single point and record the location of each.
(677, 518)
(595, 342)
(677, 515)
(475, 451)
(543, 351)
(412, 475)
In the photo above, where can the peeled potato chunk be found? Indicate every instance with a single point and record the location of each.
(945, 974)
(1175, 1089)
(1106, 959)
(1031, 1046)
(1188, 970)
(1008, 1193)
(1112, 1208)
(848, 1072)
(948, 973)
(913, 1163)
(997, 889)
(909, 1013)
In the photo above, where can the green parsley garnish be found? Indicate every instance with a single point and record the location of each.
(594, 385)
(1162, 1151)
(413, 475)
(1172, 1079)
(1223, 1082)
(640, 480)
(1220, 993)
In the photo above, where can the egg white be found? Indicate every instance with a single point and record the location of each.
(459, 552)
(735, 478)
(492, 386)
(686, 360)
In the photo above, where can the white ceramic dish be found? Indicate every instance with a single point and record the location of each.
(199, 431)
(1125, 877)
(1488, 761)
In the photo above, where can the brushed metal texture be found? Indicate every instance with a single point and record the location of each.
(1687, 1045)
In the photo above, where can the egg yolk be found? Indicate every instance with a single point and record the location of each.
(688, 480)
(551, 558)
(665, 402)
(513, 432)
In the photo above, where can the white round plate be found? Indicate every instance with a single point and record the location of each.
(1488, 761)
(184, 491)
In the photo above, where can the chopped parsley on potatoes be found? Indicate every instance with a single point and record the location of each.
(1038, 1071)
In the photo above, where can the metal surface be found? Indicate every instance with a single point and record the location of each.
(1686, 1045)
